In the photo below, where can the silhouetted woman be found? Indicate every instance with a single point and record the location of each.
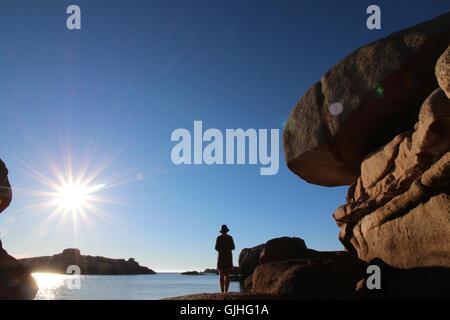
(225, 246)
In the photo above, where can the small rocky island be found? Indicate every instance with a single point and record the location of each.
(89, 265)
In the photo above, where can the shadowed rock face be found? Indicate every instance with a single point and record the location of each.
(15, 280)
(363, 102)
(249, 260)
(283, 248)
(415, 283)
(318, 275)
(58, 263)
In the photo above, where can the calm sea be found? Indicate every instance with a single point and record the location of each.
(140, 287)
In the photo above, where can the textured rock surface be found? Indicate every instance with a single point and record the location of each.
(399, 209)
(443, 71)
(378, 89)
(277, 249)
(58, 263)
(320, 275)
(379, 121)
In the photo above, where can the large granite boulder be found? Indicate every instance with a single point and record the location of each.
(364, 101)
(379, 121)
(443, 72)
(277, 249)
(284, 248)
(318, 275)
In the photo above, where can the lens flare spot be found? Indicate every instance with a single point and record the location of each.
(336, 108)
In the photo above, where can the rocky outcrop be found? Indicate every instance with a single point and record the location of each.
(249, 260)
(287, 268)
(283, 248)
(379, 121)
(319, 275)
(364, 101)
(16, 281)
(210, 271)
(399, 208)
(390, 142)
(89, 265)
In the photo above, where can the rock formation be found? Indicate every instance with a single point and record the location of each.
(287, 268)
(363, 102)
(89, 265)
(277, 249)
(16, 282)
(249, 260)
(317, 275)
(379, 121)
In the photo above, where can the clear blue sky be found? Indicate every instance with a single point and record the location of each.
(114, 91)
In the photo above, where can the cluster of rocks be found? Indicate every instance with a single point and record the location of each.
(285, 267)
(89, 265)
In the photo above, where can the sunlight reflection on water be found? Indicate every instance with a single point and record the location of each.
(51, 284)
(60, 286)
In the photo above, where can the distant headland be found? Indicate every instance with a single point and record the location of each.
(89, 265)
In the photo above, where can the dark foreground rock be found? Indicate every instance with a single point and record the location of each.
(415, 283)
(283, 248)
(58, 263)
(16, 282)
(249, 260)
(319, 275)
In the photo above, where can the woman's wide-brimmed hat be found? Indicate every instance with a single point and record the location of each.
(224, 229)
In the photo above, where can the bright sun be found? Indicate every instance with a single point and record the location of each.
(75, 197)
(72, 197)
